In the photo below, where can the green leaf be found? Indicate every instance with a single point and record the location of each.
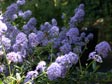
(1, 81)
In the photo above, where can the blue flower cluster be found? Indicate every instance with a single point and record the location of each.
(61, 64)
(34, 74)
(78, 16)
(101, 51)
(18, 43)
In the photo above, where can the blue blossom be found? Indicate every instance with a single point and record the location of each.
(45, 42)
(72, 32)
(62, 34)
(54, 31)
(92, 54)
(42, 27)
(41, 66)
(14, 57)
(20, 13)
(90, 36)
(20, 2)
(40, 36)
(56, 43)
(45, 27)
(103, 48)
(78, 17)
(10, 27)
(63, 71)
(54, 22)
(14, 16)
(95, 57)
(81, 6)
(67, 59)
(6, 42)
(21, 38)
(13, 7)
(54, 71)
(23, 52)
(63, 60)
(11, 10)
(73, 57)
(2, 67)
(26, 14)
(66, 48)
(30, 76)
(77, 49)
(86, 40)
(30, 26)
(32, 21)
(75, 40)
(20, 48)
(20, 43)
(64, 41)
(12, 32)
(82, 35)
(33, 40)
(16, 47)
(26, 29)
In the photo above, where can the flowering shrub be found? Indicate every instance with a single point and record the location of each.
(47, 54)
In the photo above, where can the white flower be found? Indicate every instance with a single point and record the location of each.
(3, 27)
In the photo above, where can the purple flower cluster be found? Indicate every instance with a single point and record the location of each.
(45, 27)
(54, 71)
(41, 66)
(54, 31)
(103, 48)
(33, 40)
(34, 74)
(78, 16)
(101, 51)
(26, 14)
(20, 2)
(71, 37)
(54, 22)
(95, 57)
(6, 42)
(72, 32)
(30, 26)
(11, 11)
(61, 64)
(14, 57)
(66, 48)
(21, 44)
(25, 40)
(30, 76)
